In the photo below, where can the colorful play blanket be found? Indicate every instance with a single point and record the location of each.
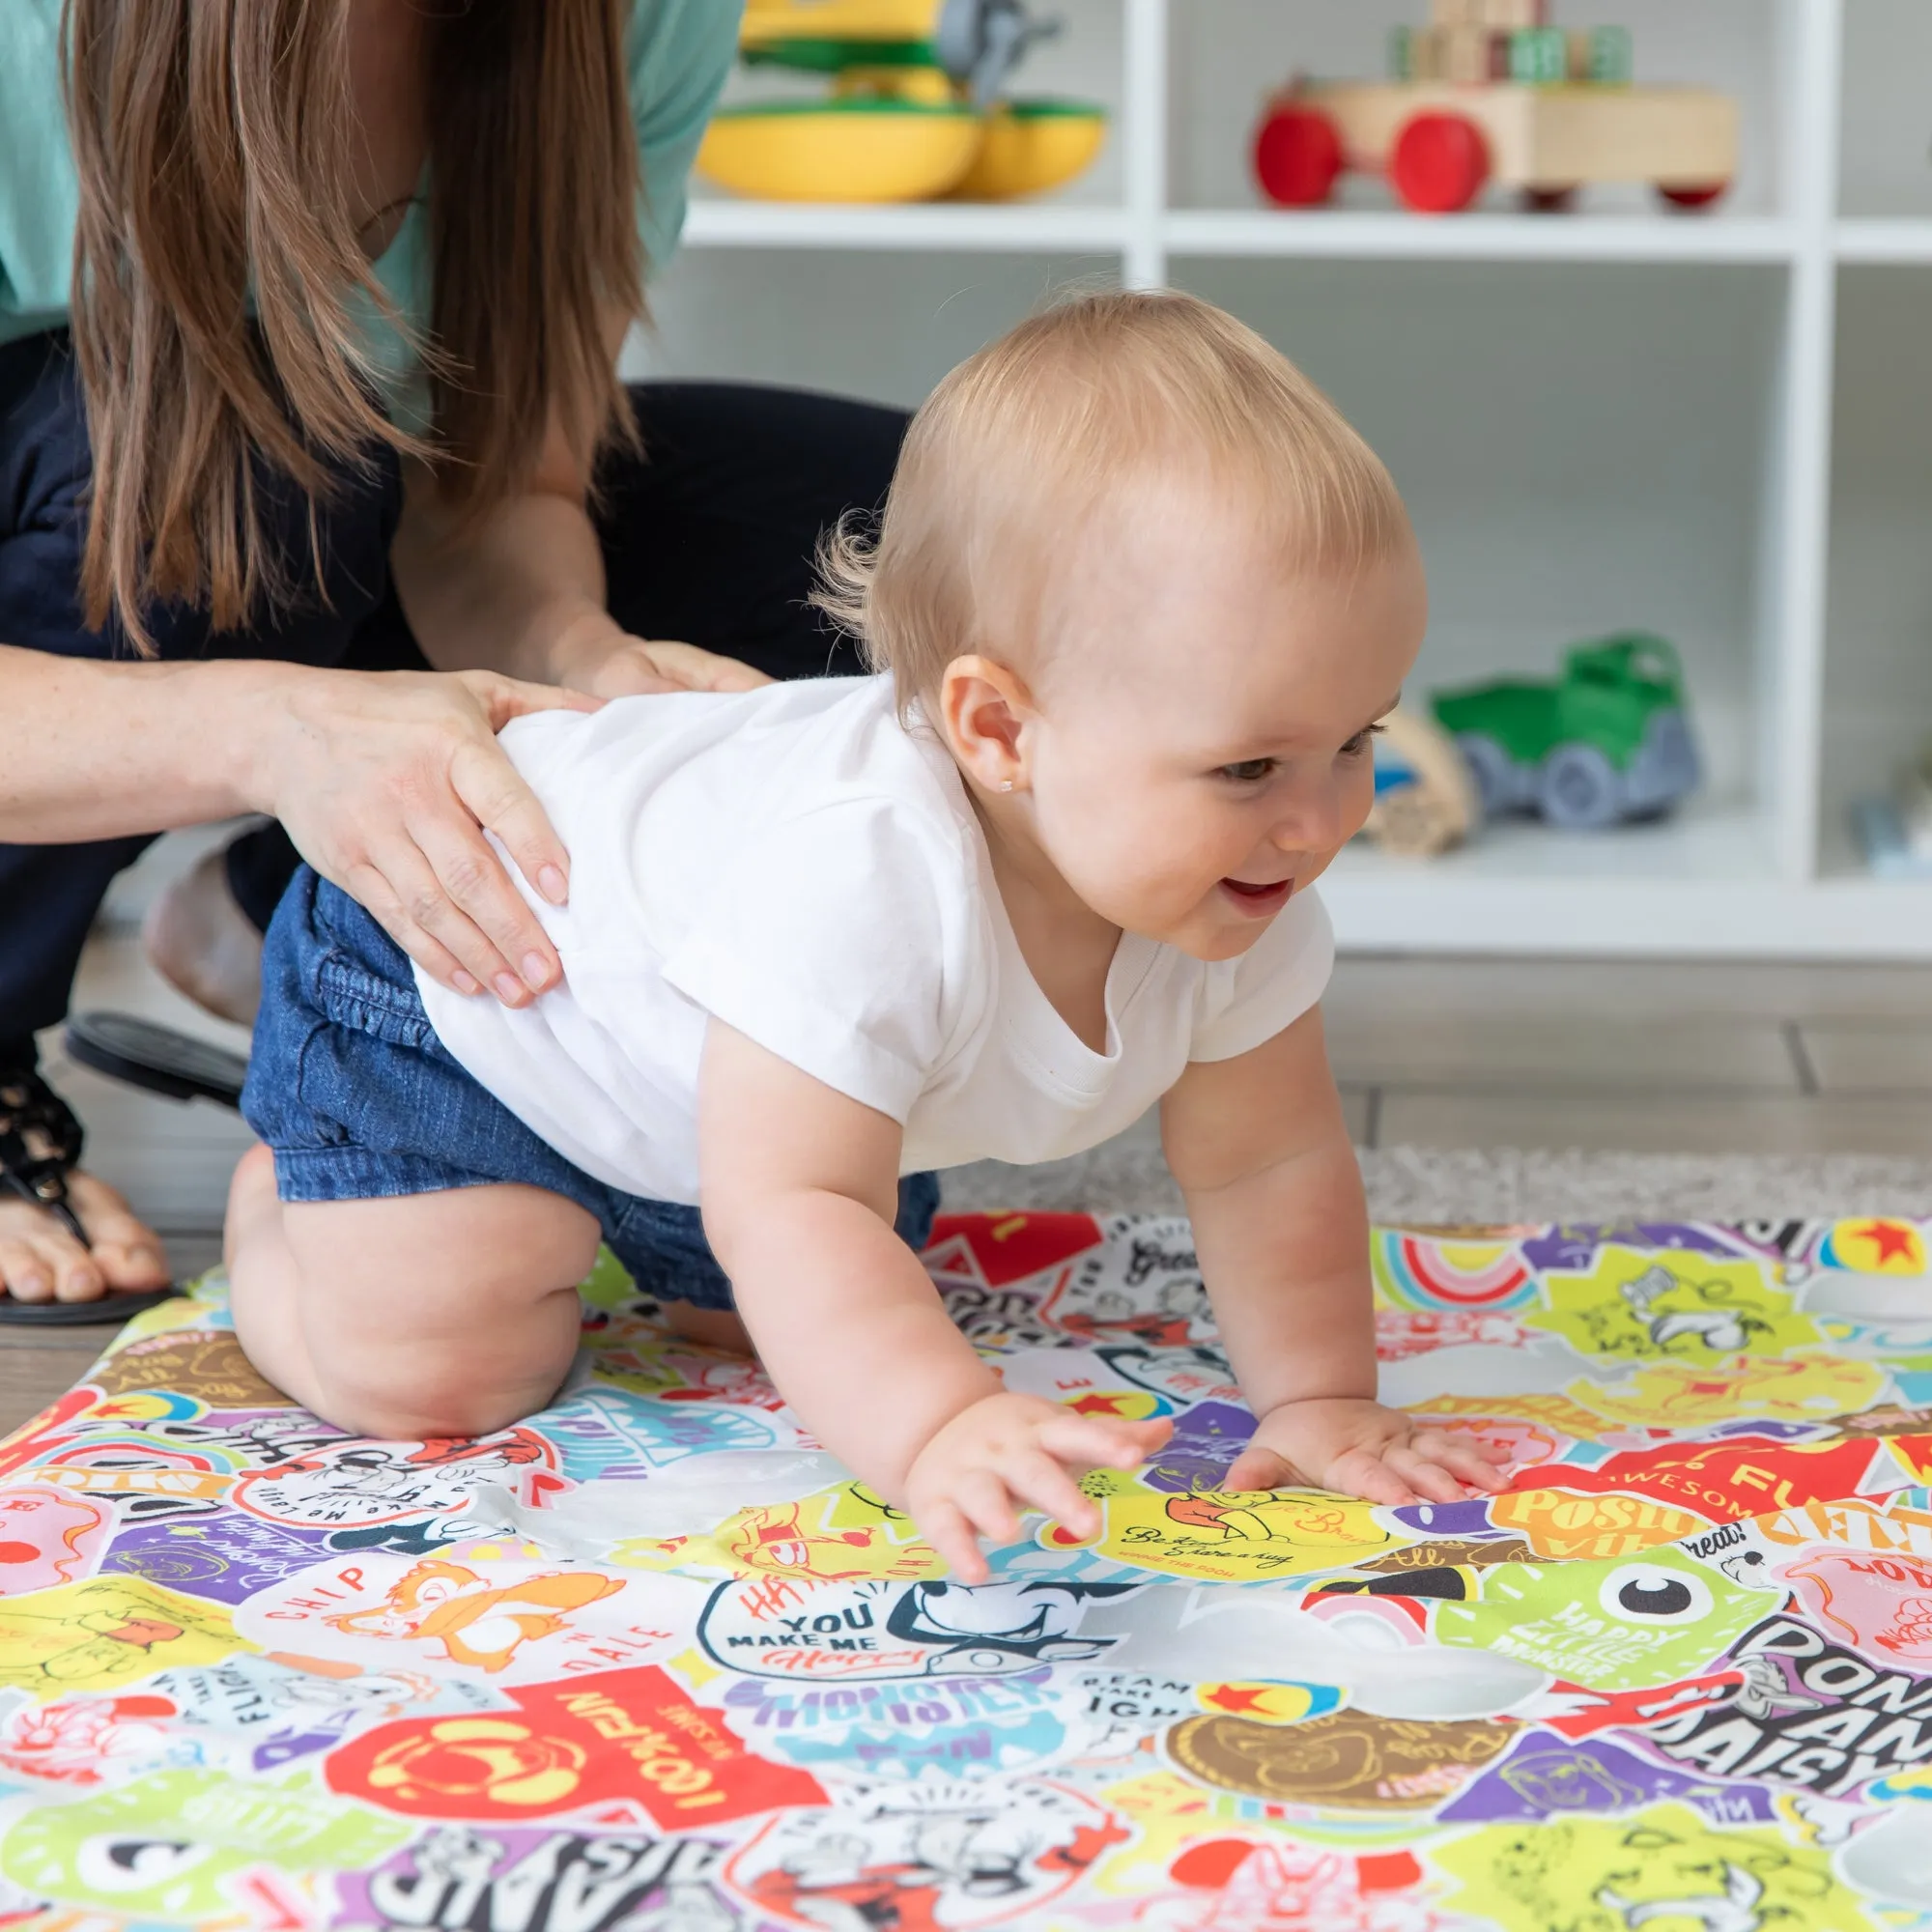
(651, 1662)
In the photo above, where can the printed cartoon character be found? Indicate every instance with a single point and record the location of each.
(453, 1854)
(370, 1494)
(101, 1633)
(170, 1845)
(1733, 1910)
(1300, 1886)
(1226, 1536)
(984, 1627)
(1190, 1373)
(1800, 1388)
(76, 1740)
(48, 1536)
(447, 1604)
(1347, 1760)
(1724, 1308)
(1883, 1605)
(1403, 1332)
(778, 1539)
(1667, 1866)
(1160, 1301)
(1721, 1325)
(1215, 1517)
(1566, 1780)
(1615, 1626)
(255, 1696)
(670, 1370)
(926, 1870)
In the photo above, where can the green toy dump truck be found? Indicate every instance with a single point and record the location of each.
(1607, 742)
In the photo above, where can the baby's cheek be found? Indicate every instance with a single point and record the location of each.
(1358, 799)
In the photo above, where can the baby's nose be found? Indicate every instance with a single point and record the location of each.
(1313, 825)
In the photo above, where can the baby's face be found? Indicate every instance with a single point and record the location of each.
(1201, 747)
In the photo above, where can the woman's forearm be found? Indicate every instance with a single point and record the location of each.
(101, 751)
(518, 592)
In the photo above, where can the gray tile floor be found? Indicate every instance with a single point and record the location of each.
(1636, 1057)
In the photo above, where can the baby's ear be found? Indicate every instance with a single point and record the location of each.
(984, 707)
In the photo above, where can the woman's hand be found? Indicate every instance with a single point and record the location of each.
(386, 784)
(598, 657)
(1011, 1451)
(1360, 1448)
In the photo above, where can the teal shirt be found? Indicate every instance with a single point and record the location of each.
(677, 53)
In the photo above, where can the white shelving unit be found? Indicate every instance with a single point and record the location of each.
(1617, 418)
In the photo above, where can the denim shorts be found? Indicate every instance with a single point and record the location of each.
(359, 1100)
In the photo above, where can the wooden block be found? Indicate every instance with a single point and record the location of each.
(1512, 15)
(1456, 12)
(1467, 56)
(1612, 57)
(1539, 56)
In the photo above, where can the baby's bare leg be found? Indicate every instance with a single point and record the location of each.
(714, 1328)
(448, 1314)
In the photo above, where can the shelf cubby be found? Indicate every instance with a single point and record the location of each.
(1718, 426)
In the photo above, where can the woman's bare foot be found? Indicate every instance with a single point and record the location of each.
(40, 1261)
(204, 944)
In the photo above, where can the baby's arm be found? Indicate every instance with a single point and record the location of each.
(800, 1186)
(1263, 1156)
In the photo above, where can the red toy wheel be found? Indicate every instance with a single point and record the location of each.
(1700, 196)
(1298, 156)
(1440, 164)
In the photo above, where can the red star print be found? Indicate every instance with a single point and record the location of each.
(1888, 1238)
(1098, 1404)
(1234, 1697)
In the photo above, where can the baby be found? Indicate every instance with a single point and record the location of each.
(1139, 598)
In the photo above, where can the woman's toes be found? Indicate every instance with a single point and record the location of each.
(23, 1272)
(126, 1253)
(80, 1278)
(131, 1264)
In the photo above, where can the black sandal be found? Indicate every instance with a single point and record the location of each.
(40, 1144)
(157, 1058)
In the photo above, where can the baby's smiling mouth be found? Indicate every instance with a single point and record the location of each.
(1259, 901)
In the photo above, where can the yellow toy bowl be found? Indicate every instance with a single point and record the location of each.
(1032, 146)
(839, 150)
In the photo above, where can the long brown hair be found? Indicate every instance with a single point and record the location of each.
(213, 144)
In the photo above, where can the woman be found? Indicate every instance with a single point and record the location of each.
(309, 316)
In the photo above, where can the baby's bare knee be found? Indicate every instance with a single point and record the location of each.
(427, 1414)
(405, 1388)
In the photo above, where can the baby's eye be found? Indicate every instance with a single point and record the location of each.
(1361, 741)
(1250, 771)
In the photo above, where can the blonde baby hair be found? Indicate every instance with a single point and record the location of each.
(1013, 450)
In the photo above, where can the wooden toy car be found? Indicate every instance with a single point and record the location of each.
(1488, 94)
(1608, 740)
(1425, 796)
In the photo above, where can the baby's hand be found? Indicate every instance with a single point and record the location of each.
(1363, 1449)
(1008, 1450)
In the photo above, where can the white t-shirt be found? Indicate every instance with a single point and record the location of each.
(796, 862)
